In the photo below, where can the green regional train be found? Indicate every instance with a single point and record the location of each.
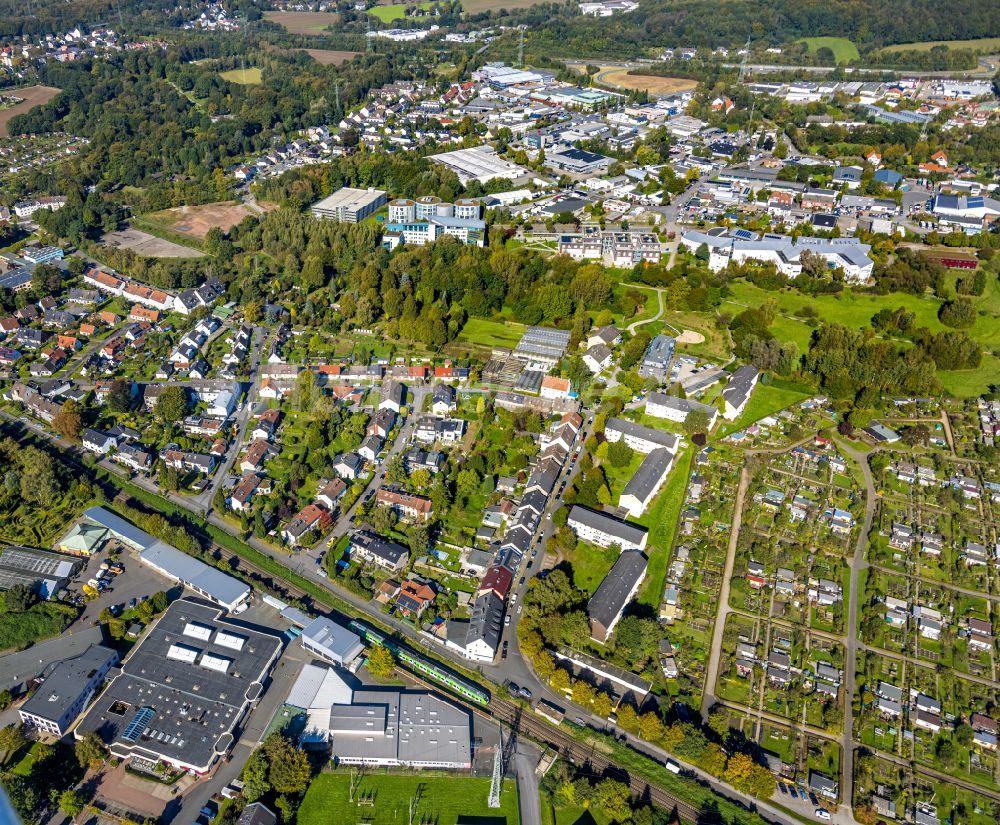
(424, 667)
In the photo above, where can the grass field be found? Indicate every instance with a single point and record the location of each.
(32, 96)
(442, 799)
(303, 22)
(590, 565)
(661, 520)
(766, 400)
(854, 310)
(844, 51)
(985, 45)
(619, 78)
(486, 333)
(244, 77)
(396, 11)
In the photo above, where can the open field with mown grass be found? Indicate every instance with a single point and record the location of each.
(985, 45)
(844, 51)
(619, 78)
(395, 11)
(477, 6)
(303, 22)
(244, 77)
(444, 799)
(486, 333)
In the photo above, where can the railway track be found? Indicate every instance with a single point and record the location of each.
(527, 723)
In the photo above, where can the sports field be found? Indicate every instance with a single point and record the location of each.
(442, 800)
(844, 51)
(985, 45)
(619, 77)
(245, 77)
(395, 11)
(303, 22)
(31, 96)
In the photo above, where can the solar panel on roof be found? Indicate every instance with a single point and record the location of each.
(743, 234)
(138, 724)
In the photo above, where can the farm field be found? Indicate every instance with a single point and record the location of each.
(986, 45)
(476, 6)
(330, 57)
(245, 77)
(844, 51)
(303, 22)
(33, 96)
(149, 246)
(619, 77)
(197, 220)
(443, 799)
(395, 11)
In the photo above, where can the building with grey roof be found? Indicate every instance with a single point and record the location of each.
(657, 359)
(349, 205)
(618, 588)
(542, 346)
(331, 641)
(66, 689)
(639, 437)
(785, 252)
(737, 392)
(257, 813)
(661, 405)
(647, 481)
(604, 529)
(184, 688)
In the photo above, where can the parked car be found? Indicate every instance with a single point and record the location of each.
(824, 814)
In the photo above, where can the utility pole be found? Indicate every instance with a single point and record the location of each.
(746, 56)
(497, 772)
(520, 49)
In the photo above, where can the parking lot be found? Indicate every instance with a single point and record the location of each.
(136, 581)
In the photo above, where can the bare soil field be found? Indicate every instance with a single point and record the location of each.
(197, 220)
(327, 57)
(149, 246)
(476, 6)
(32, 96)
(618, 76)
(303, 22)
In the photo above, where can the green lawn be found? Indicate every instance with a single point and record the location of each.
(984, 45)
(844, 51)
(590, 565)
(244, 77)
(486, 333)
(397, 11)
(766, 400)
(661, 520)
(443, 800)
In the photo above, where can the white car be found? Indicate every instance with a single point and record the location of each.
(824, 814)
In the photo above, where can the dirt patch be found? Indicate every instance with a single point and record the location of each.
(32, 96)
(197, 220)
(689, 336)
(620, 78)
(149, 246)
(328, 57)
(303, 22)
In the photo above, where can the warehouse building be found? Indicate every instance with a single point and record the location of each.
(331, 641)
(66, 689)
(349, 205)
(185, 688)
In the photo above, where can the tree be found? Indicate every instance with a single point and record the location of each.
(6, 697)
(602, 704)
(39, 483)
(120, 395)
(650, 726)
(90, 752)
(545, 665)
(713, 759)
(380, 662)
(628, 719)
(383, 519)
(559, 680)
(959, 313)
(696, 422)
(71, 803)
(12, 739)
(67, 420)
(619, 454)
(289, 770)
(614, 798)
(19, 598)
(466, 484)
(172, 404)
(255, 783)
(583, 693)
